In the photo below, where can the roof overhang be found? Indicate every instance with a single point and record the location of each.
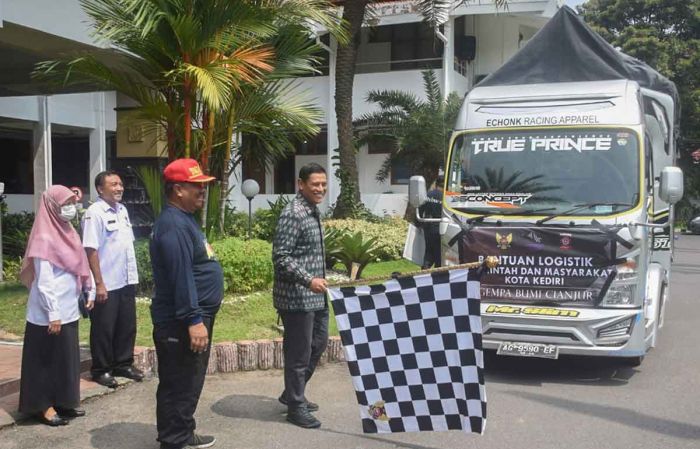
(21, 48)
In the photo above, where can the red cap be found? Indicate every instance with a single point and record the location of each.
(185, 170)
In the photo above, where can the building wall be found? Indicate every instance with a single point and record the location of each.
(498, 37)
(76, 110)
(139, 138)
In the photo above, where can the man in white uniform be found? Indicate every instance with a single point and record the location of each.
(109, 242)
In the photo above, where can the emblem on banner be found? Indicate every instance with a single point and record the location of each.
(565, 241)
(378, 411)
(503, 241)
(534, 241)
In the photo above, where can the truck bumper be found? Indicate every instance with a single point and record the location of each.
(597, 332)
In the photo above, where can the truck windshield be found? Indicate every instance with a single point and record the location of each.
(492, 171)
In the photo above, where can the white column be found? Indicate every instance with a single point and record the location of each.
(98, 142)
(269, 180)
(333, 181)
(42, 150)
(448, 57)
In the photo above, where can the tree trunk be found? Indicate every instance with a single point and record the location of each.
(209, 123)
(225, 172)
(353, 14)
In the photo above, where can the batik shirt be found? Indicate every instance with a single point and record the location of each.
(298, 255)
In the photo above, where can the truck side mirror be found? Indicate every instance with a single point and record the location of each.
(671, 184)
(417, 195)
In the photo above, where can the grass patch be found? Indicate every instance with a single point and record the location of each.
(13, 307)
(248, 317)
(386, 268)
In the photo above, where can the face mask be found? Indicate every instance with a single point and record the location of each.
(68, 212)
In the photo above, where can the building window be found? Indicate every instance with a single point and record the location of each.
(406, 46)
(414, 46)
(17, 168)
(252, 169)
(400, 173)
(285, 178)
(70, 160)
(380, 145)
(316, 145)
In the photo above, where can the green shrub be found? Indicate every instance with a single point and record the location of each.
(332, 245)
(389, 232)
(354, 248)
(247, 264)
(143, 263)
(15, 233)
(264, 221)
(10, 269)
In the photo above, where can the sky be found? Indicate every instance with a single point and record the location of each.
(574, 3)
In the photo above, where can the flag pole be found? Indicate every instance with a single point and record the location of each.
(489, 262)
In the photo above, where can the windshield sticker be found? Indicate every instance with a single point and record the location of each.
(542, 143)
(490, 200)
(542, 311)
(546, 120)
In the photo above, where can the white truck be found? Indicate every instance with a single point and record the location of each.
(569, 177)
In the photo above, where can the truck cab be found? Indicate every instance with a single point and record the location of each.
(569, 184)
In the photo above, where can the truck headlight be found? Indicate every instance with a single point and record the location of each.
(620, 295)
(623, 290)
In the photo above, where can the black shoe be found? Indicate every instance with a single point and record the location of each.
(311, 406)
(301, 417)
(107, 380)
(70, 412)
(129, 373)
(200, 441)
(55, 420)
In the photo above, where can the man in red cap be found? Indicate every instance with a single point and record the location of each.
(189, 287)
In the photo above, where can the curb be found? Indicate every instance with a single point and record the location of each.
(244, 355)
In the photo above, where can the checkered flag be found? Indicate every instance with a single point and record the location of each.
(413, 347)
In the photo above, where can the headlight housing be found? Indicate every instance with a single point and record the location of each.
(623, 290)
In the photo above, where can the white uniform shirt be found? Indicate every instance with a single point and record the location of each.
(53, 295)
(108, 230)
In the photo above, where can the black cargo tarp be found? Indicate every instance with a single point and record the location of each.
(567, 50)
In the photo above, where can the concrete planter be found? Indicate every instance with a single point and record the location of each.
(246, 355)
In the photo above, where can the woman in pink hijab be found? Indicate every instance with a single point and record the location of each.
(56, 271)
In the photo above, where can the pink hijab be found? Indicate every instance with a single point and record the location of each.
(55, 240)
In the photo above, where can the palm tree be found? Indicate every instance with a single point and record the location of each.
(435, 13)
(354, 12)
(206, 69)
(184, 60)
(419, 130)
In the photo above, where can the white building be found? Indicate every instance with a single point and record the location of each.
(67, 138)
(477, 39)
(48, 138)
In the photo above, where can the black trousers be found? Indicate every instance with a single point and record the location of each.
(113, 331)
(50, 369)
(180, 381)
(432, 248)
(305, 339)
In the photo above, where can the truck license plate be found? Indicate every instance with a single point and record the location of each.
(523, 349)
